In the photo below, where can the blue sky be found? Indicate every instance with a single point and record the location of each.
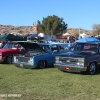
(76, 13)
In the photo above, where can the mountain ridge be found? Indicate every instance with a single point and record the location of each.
(29, 29)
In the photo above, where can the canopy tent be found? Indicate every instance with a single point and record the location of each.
(11, 37)
(66, 34)
(83, 35)
(51, 39)
(89, 39)
(41, 34)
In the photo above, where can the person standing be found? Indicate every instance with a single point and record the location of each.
(1, 44)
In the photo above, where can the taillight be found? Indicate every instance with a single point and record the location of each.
(85, 63)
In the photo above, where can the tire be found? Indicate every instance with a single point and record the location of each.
(9, 59)
(92, 68)
(42, 64)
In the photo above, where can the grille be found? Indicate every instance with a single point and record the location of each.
(23, 59)
(68, 60)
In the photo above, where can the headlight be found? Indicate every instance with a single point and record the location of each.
(80, 61)
(14, 58)
(30, 61)
(82, 64)
(56, 59)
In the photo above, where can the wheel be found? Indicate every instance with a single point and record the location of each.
(42, 64)
(9, 59)
(92, 68)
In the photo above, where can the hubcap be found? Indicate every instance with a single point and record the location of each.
(42, 64)
(92, 68)
(9, 59)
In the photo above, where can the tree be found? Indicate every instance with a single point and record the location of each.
(52, 25)
(96, 29)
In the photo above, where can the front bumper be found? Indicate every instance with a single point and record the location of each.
(70, 67)
(23, 65)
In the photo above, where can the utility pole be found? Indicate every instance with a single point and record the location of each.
(79, 32)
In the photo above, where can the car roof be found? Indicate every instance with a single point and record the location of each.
(90, 42)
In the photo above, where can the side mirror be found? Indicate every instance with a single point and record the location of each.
(54, 51)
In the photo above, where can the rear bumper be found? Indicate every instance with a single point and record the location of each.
(22, 65)
(70, 67)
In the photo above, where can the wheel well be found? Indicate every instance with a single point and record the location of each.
(45, 62)
(95, 63)
(8, 56)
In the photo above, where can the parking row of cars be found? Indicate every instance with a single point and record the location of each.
(27, 48)
(83, 56)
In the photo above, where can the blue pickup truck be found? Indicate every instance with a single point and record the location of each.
(39, 55)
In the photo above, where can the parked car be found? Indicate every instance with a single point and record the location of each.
(7, 52)
(39, 55)
(83, 57)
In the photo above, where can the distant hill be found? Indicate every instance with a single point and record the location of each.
(29, 29)
(16, 29)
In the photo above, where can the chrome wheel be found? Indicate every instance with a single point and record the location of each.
(92, 68)
(9, 60)
(42, 64)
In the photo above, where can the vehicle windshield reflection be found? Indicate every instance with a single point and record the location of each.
(85, 47)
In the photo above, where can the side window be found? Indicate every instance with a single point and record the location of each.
(15, 45)
(54, 48)
(7, 45)
(90, 47)
(62, 48)
(10, 45)
(20, 47)
(47, 48)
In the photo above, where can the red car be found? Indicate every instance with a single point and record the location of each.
(10, 49)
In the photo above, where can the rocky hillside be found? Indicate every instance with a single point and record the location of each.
(29, 29)
(16, 29)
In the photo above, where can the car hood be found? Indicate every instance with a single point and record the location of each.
(75, 54)
(31, 46)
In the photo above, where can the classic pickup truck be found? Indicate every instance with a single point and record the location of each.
(83, 57)
(39, 55)
(7, 52)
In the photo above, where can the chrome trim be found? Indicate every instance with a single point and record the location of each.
(72, 67)
(24, 65)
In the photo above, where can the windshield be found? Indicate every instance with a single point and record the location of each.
(45, 47)
(11, 45)
(85, 47)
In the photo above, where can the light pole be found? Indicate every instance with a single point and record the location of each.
(79, 33)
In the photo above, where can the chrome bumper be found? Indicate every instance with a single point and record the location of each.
(70, 67)
(22, 65)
